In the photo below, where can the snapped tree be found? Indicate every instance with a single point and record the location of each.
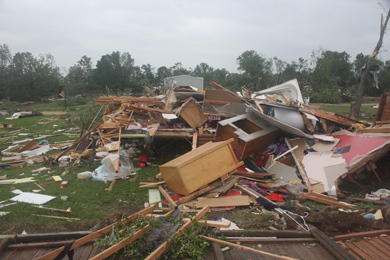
(355, 106)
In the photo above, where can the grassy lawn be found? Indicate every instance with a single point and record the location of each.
(88, 199)
(344, 111)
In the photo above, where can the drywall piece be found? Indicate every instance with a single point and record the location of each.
(41, 150)
(302, 146)
(238, 200)
(315, 164)
(169, 116)
(284, 172)
(250, 133)
(32, 198)
(323, 146)
(333, 172)
(154, 196)
(191, 113)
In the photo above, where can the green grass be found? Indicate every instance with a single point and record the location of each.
(88, 199)
(344, 111)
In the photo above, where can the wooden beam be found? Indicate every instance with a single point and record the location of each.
(361, 234)
(327, 201)
(248, 248)
(172, 204)
(195, 140)
(199, 192)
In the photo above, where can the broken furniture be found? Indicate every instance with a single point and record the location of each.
(251, 134)
(199, 167)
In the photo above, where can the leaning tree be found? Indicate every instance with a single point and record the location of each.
(355, 106)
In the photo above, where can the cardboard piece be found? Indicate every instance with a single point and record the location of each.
(32, 198)
(238, 200)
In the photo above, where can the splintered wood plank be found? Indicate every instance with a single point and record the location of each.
(96, 251)
(78, 252)
(7, 254)
(288, 248)
(23, 254)
(366, 247)
(322, 251)
(380, 245)
(303, 252)
(272, 249)
(40, 253)
(282, 250)
(385, 239)
(359, 252)
(87, 251)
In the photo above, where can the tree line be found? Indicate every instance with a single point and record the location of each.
(327, 76)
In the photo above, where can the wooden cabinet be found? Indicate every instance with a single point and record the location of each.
(199, 167)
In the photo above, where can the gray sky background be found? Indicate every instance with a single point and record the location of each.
(162, 33)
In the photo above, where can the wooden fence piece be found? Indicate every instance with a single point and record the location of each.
(96, 234)
(248, 248)
(161, 249)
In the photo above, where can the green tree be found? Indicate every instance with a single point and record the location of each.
(162, 73)
(148, 72)
(32, 78)
(114, 71)
(79, 77)
(205, 71)
(178, 69)
(257, 70)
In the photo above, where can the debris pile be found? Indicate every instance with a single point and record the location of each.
(257, 150)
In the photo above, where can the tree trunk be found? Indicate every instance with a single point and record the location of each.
(355, 107)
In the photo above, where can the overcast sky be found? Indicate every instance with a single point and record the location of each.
(216, 32)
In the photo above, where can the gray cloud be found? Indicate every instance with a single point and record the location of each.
(162, 33)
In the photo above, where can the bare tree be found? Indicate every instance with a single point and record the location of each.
(355, 106)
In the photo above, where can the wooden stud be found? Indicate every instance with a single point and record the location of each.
(248, 248)
(172, 204)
